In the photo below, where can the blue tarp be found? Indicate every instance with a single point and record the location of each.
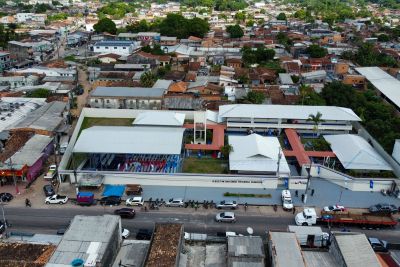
(113, 190)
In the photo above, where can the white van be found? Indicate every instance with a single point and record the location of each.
(287, 200)
(63, 144)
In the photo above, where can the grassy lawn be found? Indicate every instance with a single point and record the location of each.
(89, 122)
(204, 165)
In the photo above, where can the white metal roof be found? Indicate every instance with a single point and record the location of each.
(385, 83)
(362, 256)
(32, 150)
(130, 140)
(355, 153)
(287, 251)
(298, 112)
(160, 118)
(256, 153)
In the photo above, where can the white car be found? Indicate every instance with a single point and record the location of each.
(125, 233)
(56, 199)
(334, 208)
(135, 201)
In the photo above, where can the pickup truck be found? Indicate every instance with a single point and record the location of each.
(51, 173)
(56, 199)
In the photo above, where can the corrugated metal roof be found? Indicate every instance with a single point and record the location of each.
(362, 256)
(101, 91)
(355, 153)
(285, 249)
(286, 112)
(160, 118)
(130, 140)
(256, 153)
(384, 82)
(32, 150)
(246, 246)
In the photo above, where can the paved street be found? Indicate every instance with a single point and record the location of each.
(47, 221)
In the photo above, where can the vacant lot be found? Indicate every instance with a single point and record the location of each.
(204, 165)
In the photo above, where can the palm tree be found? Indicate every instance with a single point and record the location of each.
(226, 150)
(316, 119)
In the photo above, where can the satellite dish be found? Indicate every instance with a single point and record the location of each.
(250, 230)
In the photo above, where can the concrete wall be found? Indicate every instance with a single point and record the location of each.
(346, 181)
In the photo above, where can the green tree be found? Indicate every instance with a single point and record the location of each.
(316, 51)
(255, 97)
(39, 93)
(383, 38)
(235, 31)
(180, 27)
(250, 23)
(105, 25)
(240, 16)
(226, 150)
(316, 119)
(148, 79)
(281, 16)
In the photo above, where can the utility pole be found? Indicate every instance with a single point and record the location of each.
(4, 217)
(308, 169)
(279, 162)
(13, 175)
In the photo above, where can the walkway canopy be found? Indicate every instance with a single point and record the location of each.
(130, 140)
(355, 153)
(256, 153)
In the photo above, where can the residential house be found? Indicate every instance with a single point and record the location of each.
(168, 41)
(17, 81)
(22, 51)
(116, 47)
(5, 61)
(67, 72)
(354, 80)
(234, 63)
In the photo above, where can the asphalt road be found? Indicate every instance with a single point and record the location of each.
(48, 221)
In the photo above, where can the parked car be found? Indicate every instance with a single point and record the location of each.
(56, 199)
(378, 245)
(287, 203)
(110, 200)
(144, 234)
(174, 202)
(334, 208)
(225, 217)
(125, 213)
(125, 233)
(85, 199)
(383, 208)
(227, 205)
(48, 190)
(135, 201)
(6, 197)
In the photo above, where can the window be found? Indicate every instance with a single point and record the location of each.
(96, 101)
(106, 47)
(108, 101)
(115, 47)
(98, 47)
(124, 47)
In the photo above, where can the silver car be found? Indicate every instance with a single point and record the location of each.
(225, 217)
(227, 205)
(174, 202)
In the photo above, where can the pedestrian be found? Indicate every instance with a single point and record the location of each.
(302, 197)
(312, 192)
(245, 206)
(296, 193)
(294, 210)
